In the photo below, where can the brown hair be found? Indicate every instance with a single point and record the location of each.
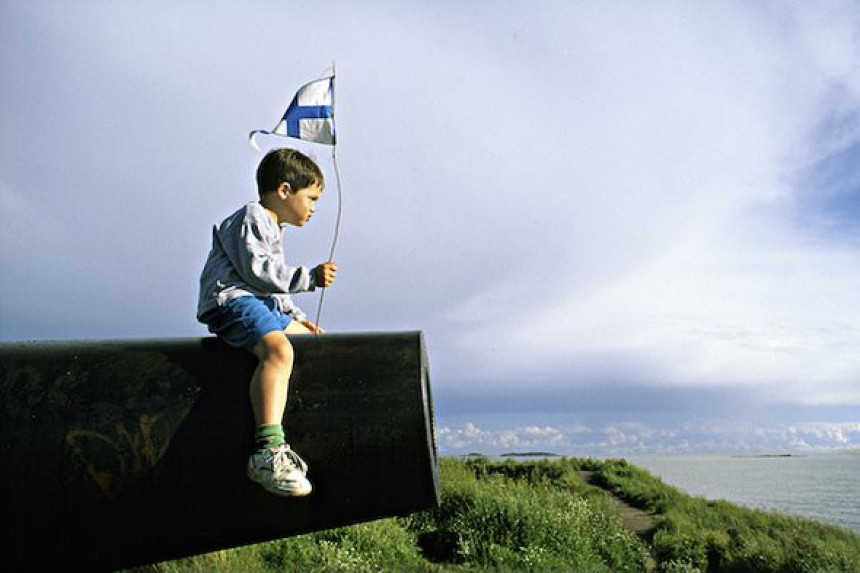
(287, 166)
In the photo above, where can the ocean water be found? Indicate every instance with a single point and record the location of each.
(825, 487)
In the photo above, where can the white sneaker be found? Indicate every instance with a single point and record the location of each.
(280, 471)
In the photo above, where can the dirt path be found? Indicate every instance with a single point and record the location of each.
(639, 522)
(634, 519)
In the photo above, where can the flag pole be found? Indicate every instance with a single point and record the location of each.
(339, 194)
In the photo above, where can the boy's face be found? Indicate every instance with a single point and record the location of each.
(297, 207)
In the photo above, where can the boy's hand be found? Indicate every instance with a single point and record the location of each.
(312, 327)
(325, 273)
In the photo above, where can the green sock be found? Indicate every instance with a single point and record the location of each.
(269, 436)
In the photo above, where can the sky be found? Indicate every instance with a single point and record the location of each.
(622, 227)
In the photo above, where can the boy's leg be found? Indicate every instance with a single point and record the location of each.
(274, 465)
(271, 379)
(239, 323)
(268, 389)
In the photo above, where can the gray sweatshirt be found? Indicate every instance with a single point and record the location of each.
(247, 258)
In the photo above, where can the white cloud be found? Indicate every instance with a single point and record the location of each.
(626, 438)
(470, 436)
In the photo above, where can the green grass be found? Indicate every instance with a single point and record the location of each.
(699, 534)
(534, 516)
(541, 516)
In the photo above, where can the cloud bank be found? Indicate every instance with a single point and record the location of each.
(636, 438)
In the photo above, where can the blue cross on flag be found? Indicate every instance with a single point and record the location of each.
(309, 117)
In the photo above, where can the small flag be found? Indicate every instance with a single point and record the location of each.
(310, 116)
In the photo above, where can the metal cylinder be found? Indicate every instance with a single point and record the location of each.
(122, 453)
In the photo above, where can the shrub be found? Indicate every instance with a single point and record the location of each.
(524, 517)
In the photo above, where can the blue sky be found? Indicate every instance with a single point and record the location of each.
(635, 226)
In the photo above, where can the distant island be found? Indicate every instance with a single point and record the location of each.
(530, 455)
(768, 456)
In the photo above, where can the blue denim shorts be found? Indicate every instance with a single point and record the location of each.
(243, 321)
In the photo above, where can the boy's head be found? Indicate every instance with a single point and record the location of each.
(290, 184)
(287, 166)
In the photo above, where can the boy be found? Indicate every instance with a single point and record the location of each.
(245, 299)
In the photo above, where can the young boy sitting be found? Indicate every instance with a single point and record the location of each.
(245, 299)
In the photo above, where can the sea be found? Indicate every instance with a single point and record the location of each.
(821, 486)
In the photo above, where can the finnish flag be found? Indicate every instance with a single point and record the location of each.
(309, 117)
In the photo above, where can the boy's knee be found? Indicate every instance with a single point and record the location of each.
(275, 347)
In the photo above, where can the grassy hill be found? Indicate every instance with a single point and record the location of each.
(543, 516)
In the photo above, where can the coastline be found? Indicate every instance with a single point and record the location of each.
(815, 485)
(808, 493)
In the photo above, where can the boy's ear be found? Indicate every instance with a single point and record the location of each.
(284, 189)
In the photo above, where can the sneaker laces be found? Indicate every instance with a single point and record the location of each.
(285, 458)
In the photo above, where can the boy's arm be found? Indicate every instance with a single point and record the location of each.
(315, 329)
(258, 258)
(324, 274)
(287, 306)
(270, 274)
(321, 275)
